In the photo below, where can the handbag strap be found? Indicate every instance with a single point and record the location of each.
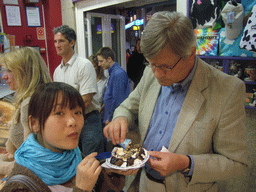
(32, 185)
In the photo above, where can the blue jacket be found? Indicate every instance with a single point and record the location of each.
(117, 90)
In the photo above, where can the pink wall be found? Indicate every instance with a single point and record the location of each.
(53, 18)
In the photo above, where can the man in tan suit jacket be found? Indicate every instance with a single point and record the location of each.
(207, 141)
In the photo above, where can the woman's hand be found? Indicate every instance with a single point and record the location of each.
(88, 172)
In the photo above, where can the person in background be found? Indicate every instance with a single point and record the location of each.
(79, 73)
(127, 55)
(118, 86)
(136, 64)
(101, 81)
(25, 69)
(191, 116)
(50, 157)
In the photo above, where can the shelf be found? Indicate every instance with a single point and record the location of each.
(225, 64)
(250, 82)
(249, 107)
(226, 58)
(5, 90)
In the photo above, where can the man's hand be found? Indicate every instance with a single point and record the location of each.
(116, 130)
(88, 172)
(165, 163)
(107, 122)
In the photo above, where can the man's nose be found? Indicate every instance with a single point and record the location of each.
(158, 72)
(57, 43)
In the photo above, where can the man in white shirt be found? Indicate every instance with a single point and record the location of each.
(80, 73)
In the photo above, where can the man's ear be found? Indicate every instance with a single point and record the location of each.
(72, 42)
(109, 59)
(193, 50)
(33, 124)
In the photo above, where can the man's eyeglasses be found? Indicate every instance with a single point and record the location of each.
(163, 67)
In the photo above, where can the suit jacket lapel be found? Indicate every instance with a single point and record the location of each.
(191, 106)
(150, 102)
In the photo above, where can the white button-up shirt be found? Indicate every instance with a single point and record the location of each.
(79, 73)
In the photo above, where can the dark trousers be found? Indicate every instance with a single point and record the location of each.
(91, 138)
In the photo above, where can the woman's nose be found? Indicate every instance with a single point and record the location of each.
(4, 76)
(71, 122)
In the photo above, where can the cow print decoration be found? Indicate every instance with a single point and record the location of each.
(248, 40)
(204, 12)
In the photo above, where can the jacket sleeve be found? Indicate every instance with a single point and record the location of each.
(138, 101)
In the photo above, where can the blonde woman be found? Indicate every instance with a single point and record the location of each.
(25, 69)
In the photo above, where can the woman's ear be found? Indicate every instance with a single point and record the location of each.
(33, 124)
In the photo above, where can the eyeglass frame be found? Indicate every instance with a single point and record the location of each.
(164, 68)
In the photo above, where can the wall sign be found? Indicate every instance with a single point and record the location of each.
(33, 16)
(74, 1)
(40, 33)
(11, 2)
(31, 1)
(13, 15)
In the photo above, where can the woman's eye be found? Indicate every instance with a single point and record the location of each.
(79, 112)
(59, 113)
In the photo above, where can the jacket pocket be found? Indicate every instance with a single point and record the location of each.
(199, 137)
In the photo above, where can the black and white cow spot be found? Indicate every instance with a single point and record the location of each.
(248, 40)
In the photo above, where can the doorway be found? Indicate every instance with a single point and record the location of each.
(105, 30)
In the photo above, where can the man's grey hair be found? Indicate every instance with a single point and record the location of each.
(171, 29)
(65, 30)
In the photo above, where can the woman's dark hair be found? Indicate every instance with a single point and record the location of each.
(99, 70)
(44, 99)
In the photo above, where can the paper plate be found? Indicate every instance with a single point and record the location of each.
(139, 165)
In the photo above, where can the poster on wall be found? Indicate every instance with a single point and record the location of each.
(1, 23)
(13, 15)
(11, 2)
(1, 36)
(40, 33)
(33, 16)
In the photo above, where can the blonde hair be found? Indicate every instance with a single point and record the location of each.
(171, 29)
(29, 69)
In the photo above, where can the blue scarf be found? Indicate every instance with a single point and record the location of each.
(52, 168)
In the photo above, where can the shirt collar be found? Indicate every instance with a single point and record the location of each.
(70, 62)
(112, 68)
